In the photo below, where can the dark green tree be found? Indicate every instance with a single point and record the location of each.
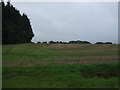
(16, 28)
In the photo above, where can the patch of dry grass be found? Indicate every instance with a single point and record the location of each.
(55, 54)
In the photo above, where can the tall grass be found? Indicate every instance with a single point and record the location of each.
(60, 66)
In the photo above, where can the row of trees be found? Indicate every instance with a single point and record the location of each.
(74, 42)
(16, 28)
(103, 42)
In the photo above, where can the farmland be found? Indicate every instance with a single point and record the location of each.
(60, 66)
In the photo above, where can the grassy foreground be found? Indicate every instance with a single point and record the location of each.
(65, 76)
(60, 66)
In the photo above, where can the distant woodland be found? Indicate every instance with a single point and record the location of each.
(16, 28)
(74, 42)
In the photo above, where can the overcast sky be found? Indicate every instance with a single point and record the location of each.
(68, 21)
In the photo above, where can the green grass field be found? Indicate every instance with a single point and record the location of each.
(60, 66)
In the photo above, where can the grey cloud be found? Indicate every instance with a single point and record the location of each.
(72, 21)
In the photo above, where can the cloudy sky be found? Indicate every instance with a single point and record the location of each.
(65, 21)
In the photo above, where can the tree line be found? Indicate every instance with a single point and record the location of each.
(74, 42)
(16, 28)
